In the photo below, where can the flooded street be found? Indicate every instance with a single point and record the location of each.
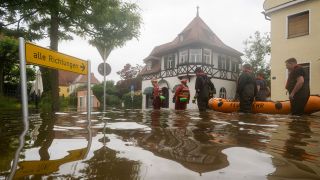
(166, 144)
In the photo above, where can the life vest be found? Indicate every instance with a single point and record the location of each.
(184, 92)
(156, 91)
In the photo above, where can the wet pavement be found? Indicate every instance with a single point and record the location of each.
(166, 144)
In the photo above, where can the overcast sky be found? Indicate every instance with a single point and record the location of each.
(233, 21)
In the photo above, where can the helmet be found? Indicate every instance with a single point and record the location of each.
(154, 80)
(184, 80)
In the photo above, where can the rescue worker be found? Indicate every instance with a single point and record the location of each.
(182, 95)
(156, 94)
(246, 89)
(204, 87)
(263, 90)
(297, 86)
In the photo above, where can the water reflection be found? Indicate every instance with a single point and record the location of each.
(166, 144)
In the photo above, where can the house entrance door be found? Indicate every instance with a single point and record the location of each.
(165, 93)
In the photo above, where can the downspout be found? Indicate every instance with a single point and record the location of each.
(266, 16)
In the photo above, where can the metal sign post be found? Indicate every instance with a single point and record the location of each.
(23, 79)
(104, 53)
(104, 83)
(132, 94)
(33, 54)
(89, 93)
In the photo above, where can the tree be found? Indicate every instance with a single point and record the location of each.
(129, 72)
(130, 77)
(9, 68)
(8, 56)
(112, 95)
(107, 23)
(256, 52)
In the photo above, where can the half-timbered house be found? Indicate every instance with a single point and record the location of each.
(196, 46)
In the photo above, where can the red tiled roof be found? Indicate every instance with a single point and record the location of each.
(84, 79)
(66, 78)
(196, 32)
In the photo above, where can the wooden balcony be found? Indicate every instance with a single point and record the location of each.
(188, 70)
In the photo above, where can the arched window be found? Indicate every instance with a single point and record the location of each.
(223, 93)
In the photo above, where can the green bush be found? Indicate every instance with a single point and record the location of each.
(45, 102)
(136, 103)
(9, 103)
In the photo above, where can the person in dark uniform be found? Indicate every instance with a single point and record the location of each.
(204, 87)
(246, 89)
(297, 86)
(156, 94)
(262, 88)
(182, 95)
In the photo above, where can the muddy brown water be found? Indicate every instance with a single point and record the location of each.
(165, 144)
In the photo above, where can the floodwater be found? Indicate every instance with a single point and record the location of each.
(166, 144)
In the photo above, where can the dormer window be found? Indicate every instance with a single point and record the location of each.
(207, 56)
(183, 57)
(234, 66)
(169, 61)
(222, 63)
(149, 65)
(195, 56)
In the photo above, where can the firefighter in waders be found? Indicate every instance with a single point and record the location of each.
(182, 95)
(156, 94)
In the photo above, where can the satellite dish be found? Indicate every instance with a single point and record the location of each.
(108, 69)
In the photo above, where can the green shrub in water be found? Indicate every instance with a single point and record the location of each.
(136, 103)
(9, 103)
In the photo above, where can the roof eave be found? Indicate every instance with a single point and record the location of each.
(282, 6)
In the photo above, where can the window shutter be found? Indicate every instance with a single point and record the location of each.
(298, 24)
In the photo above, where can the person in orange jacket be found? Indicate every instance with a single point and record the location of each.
(182, 95)
(156, 94)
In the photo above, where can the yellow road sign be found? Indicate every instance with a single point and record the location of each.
(46, 57)
(27, 168)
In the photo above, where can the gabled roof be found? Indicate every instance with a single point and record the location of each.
(84, 79)
(196, 32)
(66, 78)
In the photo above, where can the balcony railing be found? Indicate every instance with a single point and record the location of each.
(188, 70)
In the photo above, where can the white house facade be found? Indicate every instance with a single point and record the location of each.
(196, 46)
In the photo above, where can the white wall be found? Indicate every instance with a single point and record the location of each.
(230, 87)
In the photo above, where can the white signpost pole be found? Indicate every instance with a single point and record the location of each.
(89, 93)
(104, 82)
(23, 78)
(24, 100)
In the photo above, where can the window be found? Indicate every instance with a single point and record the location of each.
(228, 64)
(149, 65)
(298, 24)
(183, 57)
(222, 64)
(169, 61)
(195, 56)
(223, 93)
(234, 67)
(206, 56)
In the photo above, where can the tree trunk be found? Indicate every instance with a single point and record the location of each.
(1, 78)
(51, 76)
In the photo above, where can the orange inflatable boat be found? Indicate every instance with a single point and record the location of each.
(267, 107)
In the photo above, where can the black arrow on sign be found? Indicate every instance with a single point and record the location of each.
(82, 67)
